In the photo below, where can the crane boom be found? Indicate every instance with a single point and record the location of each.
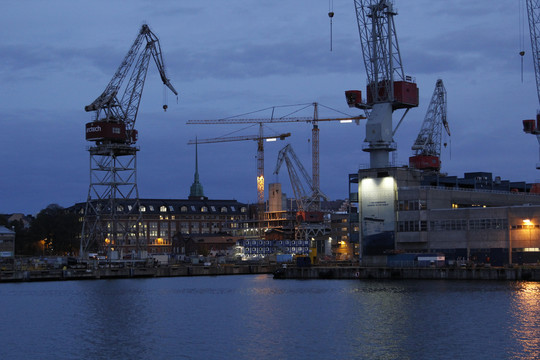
(533, 12)
(388, 89)
(107, 106)
(380, 48)
(273, 120)
(532, 126)
(237, 138)
(305, 201)
(427, 146)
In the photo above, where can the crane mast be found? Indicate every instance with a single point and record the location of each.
(533, 11)
(388, 89)
(427, 146)
(112, 218)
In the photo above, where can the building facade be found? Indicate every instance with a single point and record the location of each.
(475, 218)
(162, 219)
(7, 243)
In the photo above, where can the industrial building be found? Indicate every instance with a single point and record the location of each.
(475, 218)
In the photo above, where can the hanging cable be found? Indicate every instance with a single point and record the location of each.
(165, 98)
(330, 15)
(521, 34)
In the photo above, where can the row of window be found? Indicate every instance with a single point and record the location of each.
(452, 225)
(273, 242)
(193, 208)
(271, 250)
(171, 209)
(409, 205)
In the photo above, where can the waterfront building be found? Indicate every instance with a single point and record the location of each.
(7, 243)
(475, 218)
(162, 219)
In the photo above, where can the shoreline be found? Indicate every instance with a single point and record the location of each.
(279, 271)
(131, 272)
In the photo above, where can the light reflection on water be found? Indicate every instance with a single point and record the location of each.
(248, 317)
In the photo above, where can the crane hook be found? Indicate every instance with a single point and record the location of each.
(331, 15)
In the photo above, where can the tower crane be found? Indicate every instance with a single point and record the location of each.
(388, 89)
(260, 156)
(112, 214)
(533, 12)
(308, 203)
(314, 133)
(427, 147)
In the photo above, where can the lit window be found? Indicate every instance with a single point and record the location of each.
(142, 208)
(243, 209)
(163, 208)
(204, 209)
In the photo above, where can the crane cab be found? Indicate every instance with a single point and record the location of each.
(114, 132)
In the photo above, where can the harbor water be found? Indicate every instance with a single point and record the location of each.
(257, 317)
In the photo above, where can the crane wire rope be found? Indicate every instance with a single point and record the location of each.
(521, 33)
(331, 15)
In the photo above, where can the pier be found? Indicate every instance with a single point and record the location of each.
(409, 273)
(131, 272)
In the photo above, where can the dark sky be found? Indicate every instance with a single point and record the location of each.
(232, 57)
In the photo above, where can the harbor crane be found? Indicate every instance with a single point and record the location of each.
(388, 89)
(308, 203)
(309, 218)
(260, 156)
(427, 146)
(314, 132)
(533, 11)
(112, 214)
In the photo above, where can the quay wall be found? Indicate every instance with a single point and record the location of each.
(381, 273)
(289, 272)
(132, 272)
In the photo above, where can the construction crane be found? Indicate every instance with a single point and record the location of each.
(314, 132)
(112, 214)
(388, 89)
(260, 156)
(533, 11)
(427, 147)
(308, 204)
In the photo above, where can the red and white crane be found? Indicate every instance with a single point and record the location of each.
(388, 89)
(427, 146)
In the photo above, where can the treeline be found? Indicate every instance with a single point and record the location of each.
(54, 231)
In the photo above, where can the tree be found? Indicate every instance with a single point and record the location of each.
(57, 230)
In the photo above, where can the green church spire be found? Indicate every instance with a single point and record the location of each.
(196, 189)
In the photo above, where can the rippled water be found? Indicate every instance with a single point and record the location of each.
(256, 317)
